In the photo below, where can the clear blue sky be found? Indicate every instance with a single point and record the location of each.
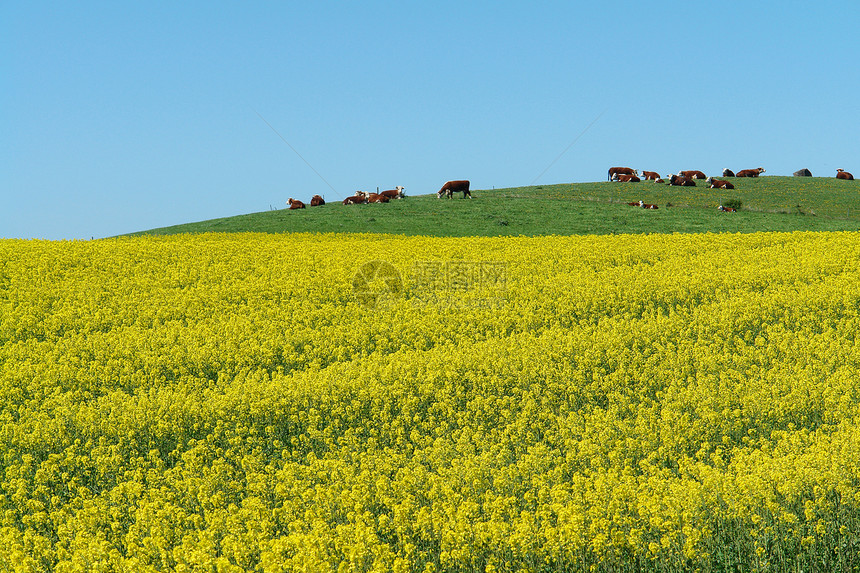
(123, 116)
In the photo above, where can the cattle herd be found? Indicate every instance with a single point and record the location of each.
(687, 178)
(622, 174)
(360, 197)
(682, 178)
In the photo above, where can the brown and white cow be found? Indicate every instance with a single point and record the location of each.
(719, 183)
(842, 174)
(692, 174)
(627, 178)
(451, 187)
(295, 203)
(681, 181)
(377, 198)
(728, 172)
(359, 198)
(317, 201)
(750, 172)
(645, 205)
(650, 175)
(726, 209)
(396, 193)
(615, 171)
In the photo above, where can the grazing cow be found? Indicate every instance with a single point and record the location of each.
(842, 174)
(645, 205)
(396, 193)
(295, 203)
(650, 175)
(451, 187)
(750, 172)
(377, 198)
(317, 201)
(728, 172)
(692, 174)
(359, 198)
(614, 171)
(681, 181)
(627, 178)
(726, 209)
(719, 183)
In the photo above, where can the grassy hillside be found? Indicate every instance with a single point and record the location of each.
(769, 204)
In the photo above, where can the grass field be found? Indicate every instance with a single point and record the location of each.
(769, 204)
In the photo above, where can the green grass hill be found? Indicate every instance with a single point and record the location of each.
(769, 203)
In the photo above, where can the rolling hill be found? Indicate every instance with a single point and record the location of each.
(770, 203)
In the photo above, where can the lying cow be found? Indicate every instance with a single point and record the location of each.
(451, 187)
(295, 203)
(750, 172)
(645, 205)
(650, 175)
(692, 174)
(359, 198)
(396, 193)
(726, 209)
(719, 184)
(681, 181)
(627, 178)
(728, 172)
(842, 174)
(615, 171)
(377, 198)
(317, 201)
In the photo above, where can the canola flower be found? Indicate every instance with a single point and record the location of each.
(278, 403)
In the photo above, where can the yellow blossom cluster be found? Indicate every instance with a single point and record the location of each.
(307, 402)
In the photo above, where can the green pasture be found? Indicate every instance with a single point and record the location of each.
(770, 203)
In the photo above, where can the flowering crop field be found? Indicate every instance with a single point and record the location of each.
(254, 402)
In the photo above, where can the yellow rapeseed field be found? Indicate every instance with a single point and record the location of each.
(275, 403)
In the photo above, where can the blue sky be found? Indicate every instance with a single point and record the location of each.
(120, 116)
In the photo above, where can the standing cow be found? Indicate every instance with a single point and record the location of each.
(614, 171)
(451, 187)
